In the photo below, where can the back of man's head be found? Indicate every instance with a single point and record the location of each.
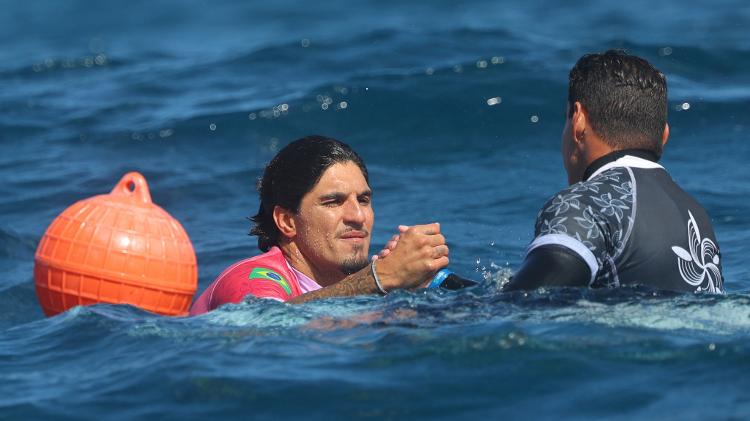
(625, 98)
(291, 174)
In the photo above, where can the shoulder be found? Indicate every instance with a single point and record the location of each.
(567, 204)
(263, 276)
(607, 192)
(267, 263)
(593, 212)
(268, 269)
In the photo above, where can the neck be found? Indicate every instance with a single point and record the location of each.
(614, 156)
(585, 150)
(299, 261)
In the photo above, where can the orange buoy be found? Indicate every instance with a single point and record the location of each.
(117, 248)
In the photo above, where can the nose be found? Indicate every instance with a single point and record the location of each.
(354, 212)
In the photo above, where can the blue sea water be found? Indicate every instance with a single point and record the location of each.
(199, 95)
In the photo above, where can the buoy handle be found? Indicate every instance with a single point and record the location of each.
(134, 185)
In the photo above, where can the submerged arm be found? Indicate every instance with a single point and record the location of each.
(550, 266)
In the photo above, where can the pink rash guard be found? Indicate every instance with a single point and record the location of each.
(266, 276)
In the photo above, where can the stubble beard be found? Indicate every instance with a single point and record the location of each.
(355, 262)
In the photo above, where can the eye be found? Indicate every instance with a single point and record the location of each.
(365, 200)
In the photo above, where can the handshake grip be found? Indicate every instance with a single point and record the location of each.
(446, 279)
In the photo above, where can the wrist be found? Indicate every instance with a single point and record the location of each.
(378, 286)
(386, 275)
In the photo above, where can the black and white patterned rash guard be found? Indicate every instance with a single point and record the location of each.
(628, 223)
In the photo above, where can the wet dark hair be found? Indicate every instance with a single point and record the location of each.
(625, 97)
(291, 174)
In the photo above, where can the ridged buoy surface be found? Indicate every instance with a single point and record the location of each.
(117, 248)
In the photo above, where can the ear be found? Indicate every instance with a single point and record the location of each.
(285, 222)
(579, 124)
(665, 135)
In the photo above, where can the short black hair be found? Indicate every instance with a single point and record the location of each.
(291, 174)
(625, 97)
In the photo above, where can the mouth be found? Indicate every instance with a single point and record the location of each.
(354, 236)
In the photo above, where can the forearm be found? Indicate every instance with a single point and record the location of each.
(359, 283)
(550, 266)
(421, 252)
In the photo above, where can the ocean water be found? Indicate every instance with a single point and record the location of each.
(199, 95)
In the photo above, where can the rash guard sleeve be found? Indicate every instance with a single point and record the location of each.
(231, 290)
(590, 220)
(261, 278)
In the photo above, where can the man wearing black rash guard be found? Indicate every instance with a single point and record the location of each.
(623, 220)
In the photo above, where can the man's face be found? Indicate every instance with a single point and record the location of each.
(335, 220)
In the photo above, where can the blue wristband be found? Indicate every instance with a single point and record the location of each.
(439, 278)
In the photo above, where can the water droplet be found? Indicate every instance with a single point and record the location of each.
(305, 42)
(165, 133)
(494, 101)
(343, 105)
(711, 347)
(100, 60)
(324, 106)
(212, 127)
(252, 116)
(534, 118)
(666, 51)
(458, 68)
(498, 60)
(482, 64)
(685, 106)
(429, 71)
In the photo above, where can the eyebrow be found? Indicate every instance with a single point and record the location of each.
(342, 195)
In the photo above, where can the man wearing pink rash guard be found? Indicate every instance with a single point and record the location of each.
(314, 225)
